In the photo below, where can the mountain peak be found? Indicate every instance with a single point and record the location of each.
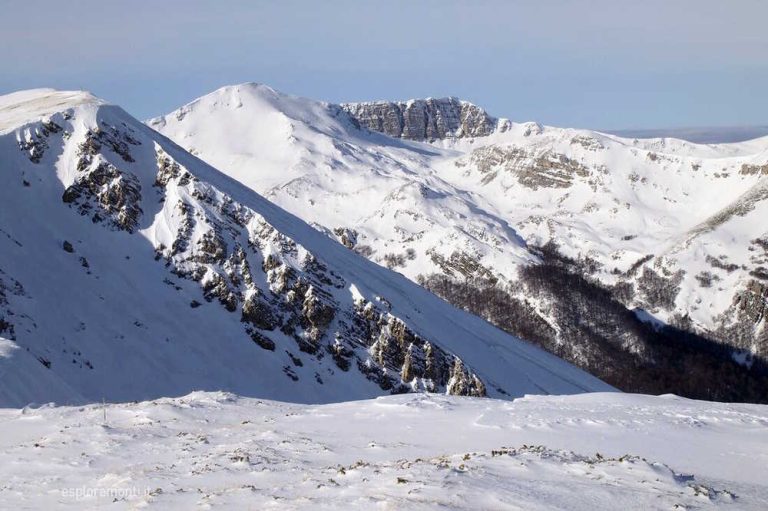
(247, 87)
(26, 106)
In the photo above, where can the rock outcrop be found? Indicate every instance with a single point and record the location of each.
(534, 170)
(424, 119)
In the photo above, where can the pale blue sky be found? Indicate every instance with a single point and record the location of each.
(591, 63)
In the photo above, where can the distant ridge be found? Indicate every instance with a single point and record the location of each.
(703, 135)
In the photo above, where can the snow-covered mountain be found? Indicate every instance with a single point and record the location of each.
(668, 229)
(129, 269)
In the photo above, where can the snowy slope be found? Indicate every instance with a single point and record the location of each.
(220, 451)
(676, 225)
(310, 159)
(129, 269)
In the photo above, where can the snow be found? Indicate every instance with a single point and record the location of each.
(675, 200)
(333, 175)
(123, 327)
(118, 330)
(221, 451)
(30, 105)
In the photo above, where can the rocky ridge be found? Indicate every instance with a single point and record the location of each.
(222, 263)
(425, 119)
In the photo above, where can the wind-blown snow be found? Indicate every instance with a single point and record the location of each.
(220, 451)
(24, 106)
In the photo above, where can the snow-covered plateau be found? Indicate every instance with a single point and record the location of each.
(414, 451)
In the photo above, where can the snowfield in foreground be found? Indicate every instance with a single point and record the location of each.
(418, 451)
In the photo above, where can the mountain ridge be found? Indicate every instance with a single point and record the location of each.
(141, 271)
(480, 208)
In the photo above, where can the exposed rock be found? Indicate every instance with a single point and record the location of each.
(258, 313)
(167, 169)
(424, 119)
(108, 193)
(296, 360)
(462, 264)
(115, 139)
(409, 369)
(184, 232)
(744, 205)
(33, 141)
(760, 273)
(534, 170)
(270, 263)
(341, 355)
(392, 261)
(748, 169)
(67, 246)
(721, 263)
(317, 313)
(407, 359)
(211, 248)
(706, 278)
(9, 287)
(587, 142)
(463, 383)
(216, 287)
(262, 340)
(753, 301)
(347, 237)
(743, 325)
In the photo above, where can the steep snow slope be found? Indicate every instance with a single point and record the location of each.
(220, 451)
(129, 269)
(675, 227)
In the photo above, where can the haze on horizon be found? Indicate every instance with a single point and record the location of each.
(597, 64)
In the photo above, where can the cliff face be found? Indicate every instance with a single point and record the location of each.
(423, 119)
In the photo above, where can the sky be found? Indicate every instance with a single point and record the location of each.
(601, 64)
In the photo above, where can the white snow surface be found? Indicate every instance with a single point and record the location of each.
(121, 326)
(619, 201)
(220, 451)
(20, 107)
